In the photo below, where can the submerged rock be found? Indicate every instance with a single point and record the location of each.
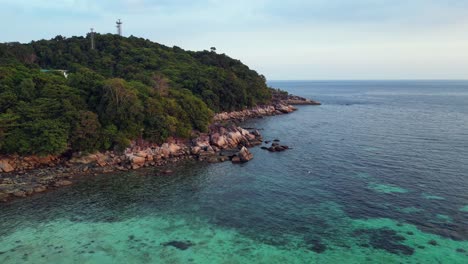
(275, 147)
(181, 245)
(386, 239)
(19, 194)
(315, 245)
(62, 183)
(40, 188)
(4, 197)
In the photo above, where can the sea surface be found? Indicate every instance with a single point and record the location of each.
(377, 174)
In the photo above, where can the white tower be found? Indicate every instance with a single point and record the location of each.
(119, 27)
(92, 38)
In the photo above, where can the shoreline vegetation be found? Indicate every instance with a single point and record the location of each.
(131, 101)
(23, 176)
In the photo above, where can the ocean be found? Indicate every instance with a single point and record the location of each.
(377, 174)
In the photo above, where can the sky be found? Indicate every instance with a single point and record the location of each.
(283, 40)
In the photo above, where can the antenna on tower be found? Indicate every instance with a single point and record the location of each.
(92, 38)
(119, 27)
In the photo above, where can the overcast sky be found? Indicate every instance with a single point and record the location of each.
(284, 40)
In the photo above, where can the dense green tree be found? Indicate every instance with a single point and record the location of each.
(86, 132)
(124, 89)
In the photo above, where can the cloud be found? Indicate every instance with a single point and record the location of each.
(296, 38)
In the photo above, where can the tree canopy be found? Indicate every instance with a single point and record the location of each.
(123, 89)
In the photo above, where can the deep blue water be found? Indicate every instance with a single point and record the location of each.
(377, 174)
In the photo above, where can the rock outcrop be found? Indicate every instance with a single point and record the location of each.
(245, 155)
(23, 176)
(15, 163)
(276, 147)
(256, 112)
(289, 99)
(31, 175)
(5, 166)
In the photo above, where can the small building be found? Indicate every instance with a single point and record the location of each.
(63, 72)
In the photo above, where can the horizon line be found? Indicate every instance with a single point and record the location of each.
(361, 80)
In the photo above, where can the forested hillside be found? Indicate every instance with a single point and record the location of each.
(123, 89)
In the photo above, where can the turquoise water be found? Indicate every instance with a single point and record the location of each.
(378, 174)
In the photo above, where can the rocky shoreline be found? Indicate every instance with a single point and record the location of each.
(225, 141)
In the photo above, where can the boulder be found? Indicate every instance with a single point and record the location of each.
(245, 155)
(207, 151)
(234, 138)
(135, 160)
(285, 109)
(141, 154)
(164, 150)
(250, 136)
(195, 150)
(244, 132)
(101, 162)
(219, 140)
(5, 166)
(85, 159)
(201, 141)
(213, 159)
(19, 193)
(275, 147)
(255, 142)
(174, 148)
(236, 159)
(29, 190)
(40, 188)
(4, 197)
(62, 183)
(46, 160)
(223, 158)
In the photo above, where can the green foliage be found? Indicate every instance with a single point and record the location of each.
(86, 132)
(48, 136)
(124, 89)
(121, 106)
(204, 73)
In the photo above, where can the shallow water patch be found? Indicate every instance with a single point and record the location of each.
(444, 218)
(386, 188)
(410, 210)
(432, 197)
